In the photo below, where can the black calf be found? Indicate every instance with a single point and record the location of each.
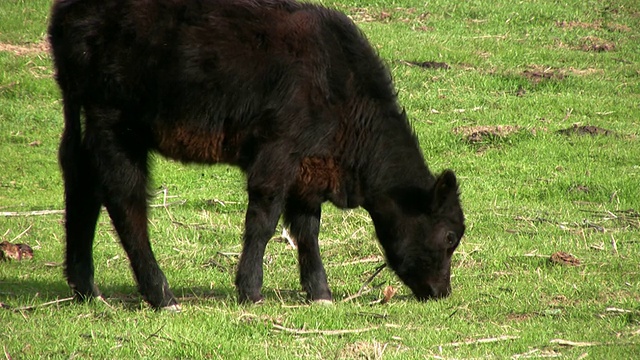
(292, 93)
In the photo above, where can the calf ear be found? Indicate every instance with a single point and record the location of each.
(446, 189)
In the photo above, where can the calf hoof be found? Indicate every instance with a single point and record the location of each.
(83, 295)
(175, 308)
(164, 303)
(322, 302)
(320, 296)
(159, 297)
(250, 299)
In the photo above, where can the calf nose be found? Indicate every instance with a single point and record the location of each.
(434, 292)
(443, 292)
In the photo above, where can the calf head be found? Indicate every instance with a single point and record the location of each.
(419, 230)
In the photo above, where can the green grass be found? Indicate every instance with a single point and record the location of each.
(526, 195)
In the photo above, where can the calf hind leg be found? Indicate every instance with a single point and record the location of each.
(124, 170)
(304, 223)
(82, 204)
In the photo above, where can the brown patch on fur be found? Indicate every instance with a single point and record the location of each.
(188, 144)
(318, 173)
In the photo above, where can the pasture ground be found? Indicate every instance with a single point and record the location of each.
(535, 105)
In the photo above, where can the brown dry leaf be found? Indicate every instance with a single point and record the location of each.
(15, 251)
(564, 258)
(388, 293)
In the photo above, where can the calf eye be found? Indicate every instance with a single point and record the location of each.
(452, 238)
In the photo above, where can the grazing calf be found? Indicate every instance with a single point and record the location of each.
(291, 93)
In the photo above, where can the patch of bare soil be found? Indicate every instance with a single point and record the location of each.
(28, 49)
(427, 64)
(411, 16)
(563, 258)
(576, 129)
(595, 44)
(596, 25)
(618, 27)
(578, 24)
(475, 134)
(519, 317)
(578, 188)
(583, 72)
(537, 74)
(368, 350)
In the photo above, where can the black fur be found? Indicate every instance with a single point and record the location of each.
(292, 93)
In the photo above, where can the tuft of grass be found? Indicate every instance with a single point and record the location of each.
(533, 68)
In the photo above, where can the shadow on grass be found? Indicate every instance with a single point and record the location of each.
(31, 294)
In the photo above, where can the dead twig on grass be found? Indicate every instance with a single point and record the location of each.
(104, 301)
(229, 254)
(617, 310)
(155, 335)
(54, 302)
(21, 234)
(482, 341)
(366, 283)
(56, 212)
(622, 218)
(614, 245)
(370, 259)
(6, 353)
(323, 332)
(563, 342)
(499, 37)
(537, 353)
(31, 213)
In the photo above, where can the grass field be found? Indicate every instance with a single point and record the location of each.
(536, 106)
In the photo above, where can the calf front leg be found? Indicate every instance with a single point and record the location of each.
(304, 223)
(261, 219)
